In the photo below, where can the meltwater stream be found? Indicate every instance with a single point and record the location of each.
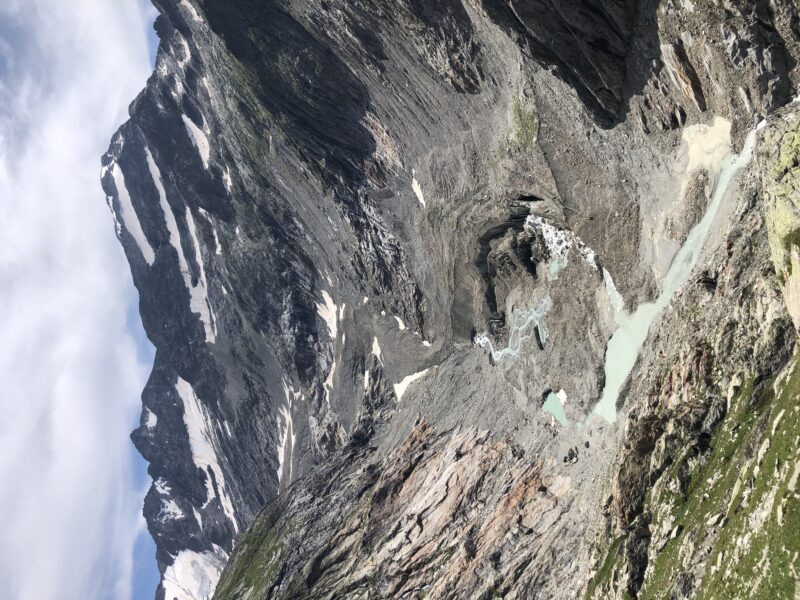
(526, 325)
(626, 342)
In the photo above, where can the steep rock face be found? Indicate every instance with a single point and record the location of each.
(781, 174)
(342, 216)
(588, 42)
(694, 427)
(445, 514)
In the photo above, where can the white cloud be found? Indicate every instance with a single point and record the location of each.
(69, 367)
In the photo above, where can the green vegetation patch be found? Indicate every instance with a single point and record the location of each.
(758, 547)
(526, 124)
(739, 515)
(782, 191)
(602, 578)
(255, 564)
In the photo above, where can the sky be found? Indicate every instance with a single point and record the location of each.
(73, 357)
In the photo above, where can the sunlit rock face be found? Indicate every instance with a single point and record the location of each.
(781, 177)
(385, 250)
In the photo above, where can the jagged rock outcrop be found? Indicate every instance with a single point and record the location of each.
(450, 514)
(373, 239)
(782, 204)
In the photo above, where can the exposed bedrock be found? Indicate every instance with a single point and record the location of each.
(372, 238)
(587, 42)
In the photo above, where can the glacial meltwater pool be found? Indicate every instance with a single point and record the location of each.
(554, 405)
(626, 342)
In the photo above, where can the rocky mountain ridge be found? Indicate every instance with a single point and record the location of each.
(372, 240)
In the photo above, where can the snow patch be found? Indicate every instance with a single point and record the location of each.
(191, 10)
(328, 385)
(129, 217)
(117, 226)
(366, 379)
(286, 433)
(161, 486)
(555, 238)
(194, 575)
(198, 294)
(559, 242)
(199, 140)
(170, 511)
(152, 419)
(328, 313)
(177, 90)
(426, 343)
(187, 53)
(416, 187)
(376, 350)
(202, 441)
(400, 325)
(400, 388)
(217, 246)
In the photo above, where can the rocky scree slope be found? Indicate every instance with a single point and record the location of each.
(325, 205)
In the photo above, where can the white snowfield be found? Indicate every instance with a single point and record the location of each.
(332, 315)
(417, 188)
(199, 139)
(202, 440)
(152, 419)
(376, 350)
(400, 388)
(327, 310)
(129, 218)
(198, 294)
(194, 575)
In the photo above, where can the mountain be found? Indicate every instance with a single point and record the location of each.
(468, 298)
